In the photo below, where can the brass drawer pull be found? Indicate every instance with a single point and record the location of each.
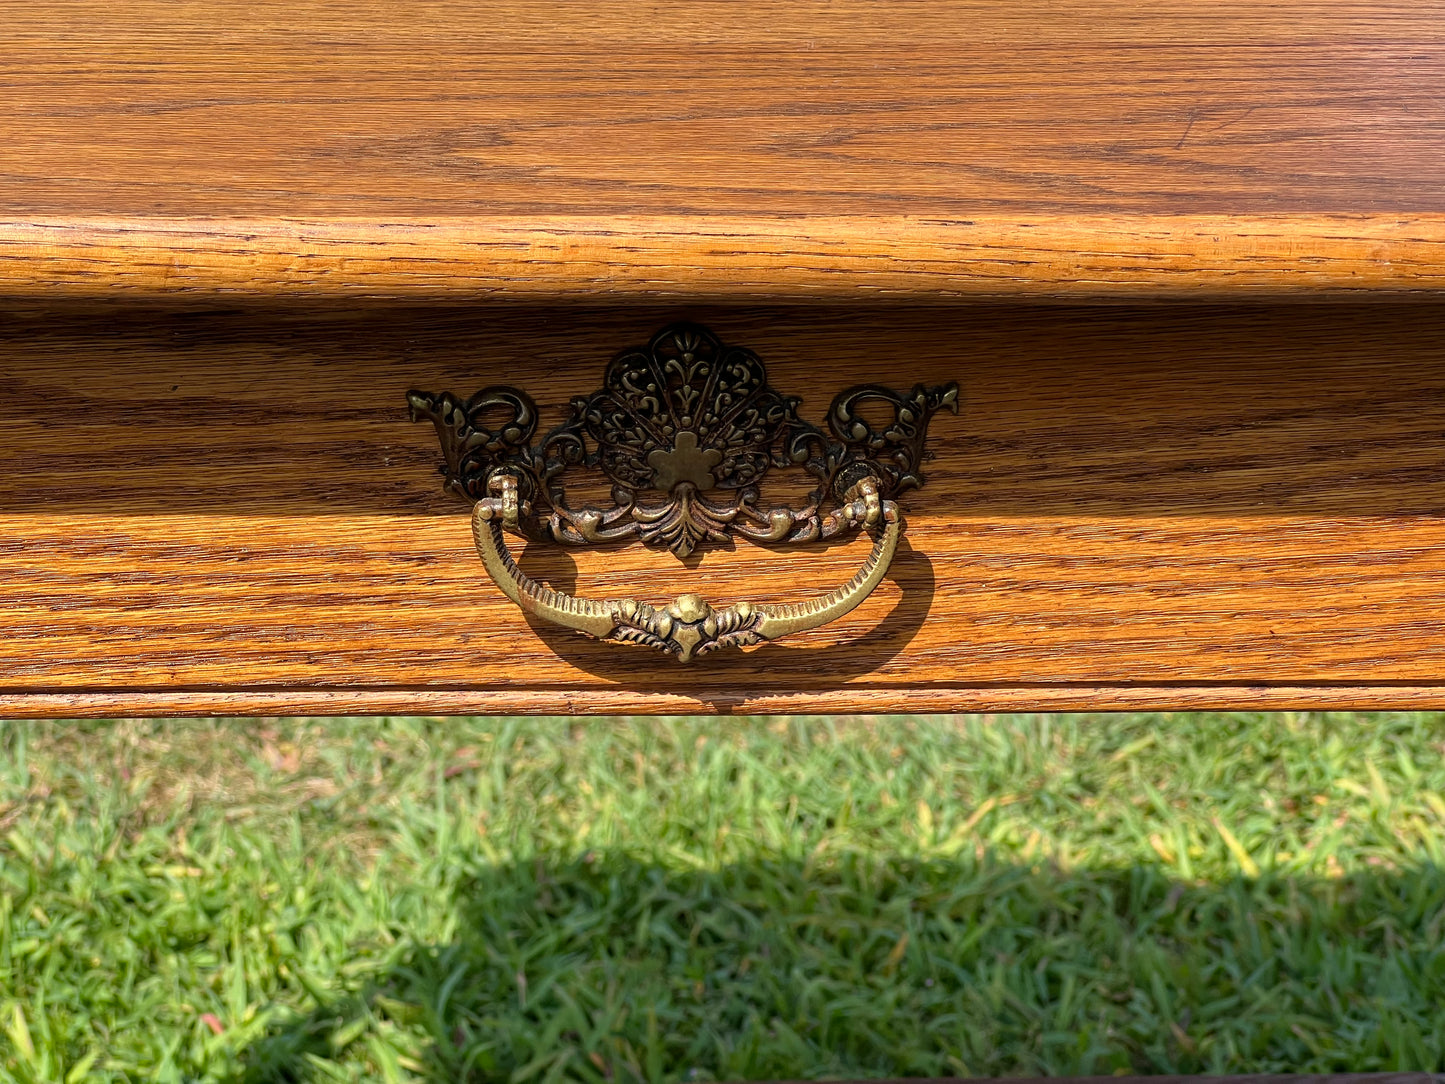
(696, 422)
(688, 627)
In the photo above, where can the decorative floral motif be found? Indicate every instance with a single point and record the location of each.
(688, 627)
(673, 422)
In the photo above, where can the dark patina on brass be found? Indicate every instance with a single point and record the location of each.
(685, 429)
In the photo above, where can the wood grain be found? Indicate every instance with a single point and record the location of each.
(227, 510)
(128, 702)
(700, 150)
(856, 259)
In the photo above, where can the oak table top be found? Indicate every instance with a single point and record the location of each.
(929, 149)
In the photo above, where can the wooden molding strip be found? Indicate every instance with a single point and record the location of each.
(133, 702)
(859, 258)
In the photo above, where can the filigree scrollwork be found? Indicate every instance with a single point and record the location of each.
(686, 429)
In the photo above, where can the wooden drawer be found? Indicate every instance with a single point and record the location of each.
(1185, 260)
(227, 509)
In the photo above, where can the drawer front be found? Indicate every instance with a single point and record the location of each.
(230, 511)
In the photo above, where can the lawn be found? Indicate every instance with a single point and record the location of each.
(545, 900)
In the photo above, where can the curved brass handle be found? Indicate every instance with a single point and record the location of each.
(685, 429)
(687, 627)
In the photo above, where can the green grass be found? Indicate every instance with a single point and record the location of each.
(452, 900)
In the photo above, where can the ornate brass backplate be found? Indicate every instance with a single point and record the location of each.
(685, 429)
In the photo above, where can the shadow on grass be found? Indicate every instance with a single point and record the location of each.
(605, 969)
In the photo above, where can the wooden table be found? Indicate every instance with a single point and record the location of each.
(1185, 262)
